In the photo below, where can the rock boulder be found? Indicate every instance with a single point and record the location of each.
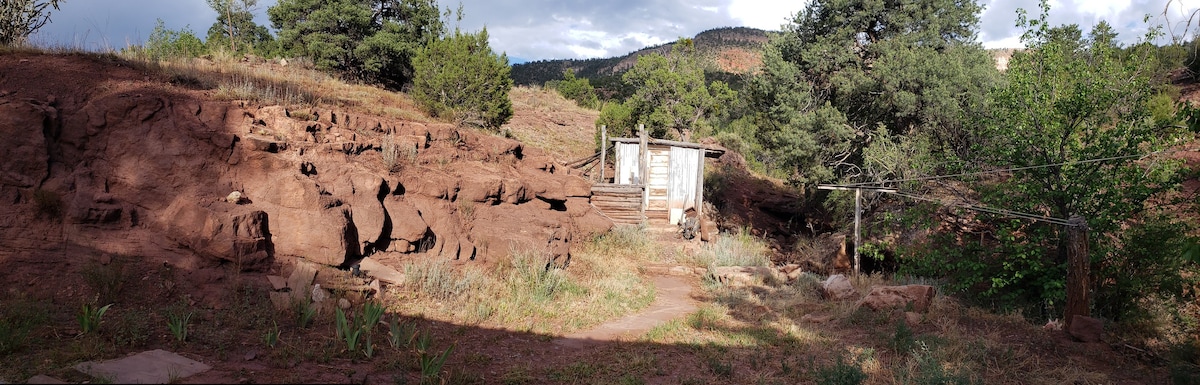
(1085, 329)
(838, 287)
(919, 297)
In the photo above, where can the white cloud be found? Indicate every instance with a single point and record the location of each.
(561, 29)
(1126, 16)
(767, 15)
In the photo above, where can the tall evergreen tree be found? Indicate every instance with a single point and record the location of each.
(864, 71)
(373, 40)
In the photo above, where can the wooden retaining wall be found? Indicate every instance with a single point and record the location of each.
(620, 202)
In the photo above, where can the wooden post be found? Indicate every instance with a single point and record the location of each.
(644, 166)
(857, 212)
(1078, 266)
(700, 186)
(857, 219)
(603, 150)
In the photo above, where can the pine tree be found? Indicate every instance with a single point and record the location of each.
(460, 78)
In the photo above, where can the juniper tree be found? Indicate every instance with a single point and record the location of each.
(21, 18)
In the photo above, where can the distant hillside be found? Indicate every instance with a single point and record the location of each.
(730, 50)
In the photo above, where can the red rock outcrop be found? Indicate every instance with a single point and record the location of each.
(141, 154)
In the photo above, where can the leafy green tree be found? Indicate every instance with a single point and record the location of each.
(236, 29)
(166, 43)
(460, 78)
(671, 96)
(1070, 100)
(578, 89)
(616, 116)
(372, 40)
(21, 18)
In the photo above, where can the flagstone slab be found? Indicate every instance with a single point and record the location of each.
(153, 367)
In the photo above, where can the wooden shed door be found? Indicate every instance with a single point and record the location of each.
(681, 193)
(659, 178)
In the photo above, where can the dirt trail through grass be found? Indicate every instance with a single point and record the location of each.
(672, 300)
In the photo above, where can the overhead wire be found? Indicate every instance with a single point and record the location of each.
(925, 178)
(991, 210)
(1015, 214)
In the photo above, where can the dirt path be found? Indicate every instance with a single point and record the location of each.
(673, 300)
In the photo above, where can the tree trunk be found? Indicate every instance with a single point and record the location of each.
(1078, 270)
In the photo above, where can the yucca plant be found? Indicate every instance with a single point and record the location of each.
(89, 317)
(431, 363)
(401, 335)
(271, 337)
(348, 330)
(178, 323)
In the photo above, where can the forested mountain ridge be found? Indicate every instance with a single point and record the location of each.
(726, 49)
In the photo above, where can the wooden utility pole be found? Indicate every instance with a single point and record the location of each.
(857, 215)
(700, 185)
(857, 236)
(603, 150)
(1078, 269)
(644, 165)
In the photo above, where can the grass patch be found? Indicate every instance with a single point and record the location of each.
(437, 279)
(733, 249)
(526, 292)
(107, 281)
(19, 319)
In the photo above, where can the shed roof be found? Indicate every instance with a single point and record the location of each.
(709, 151)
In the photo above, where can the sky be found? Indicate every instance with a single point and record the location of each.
(529, 30)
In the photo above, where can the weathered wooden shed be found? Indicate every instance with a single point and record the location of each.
(656, 180)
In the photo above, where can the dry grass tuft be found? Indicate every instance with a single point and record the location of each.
(297, 84)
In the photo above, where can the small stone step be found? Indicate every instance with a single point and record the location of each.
(44, 379)
(152, 367)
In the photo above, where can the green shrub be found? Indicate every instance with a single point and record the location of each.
(841, 373)
(271, 337)
(1193, 58)
(1149, 263)
(460, 78)
(348, 329)
(431, 362)
(168, 44)
(577, 89)
(401, 335)
(304, 311)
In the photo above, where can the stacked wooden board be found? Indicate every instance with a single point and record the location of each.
(620, 202)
